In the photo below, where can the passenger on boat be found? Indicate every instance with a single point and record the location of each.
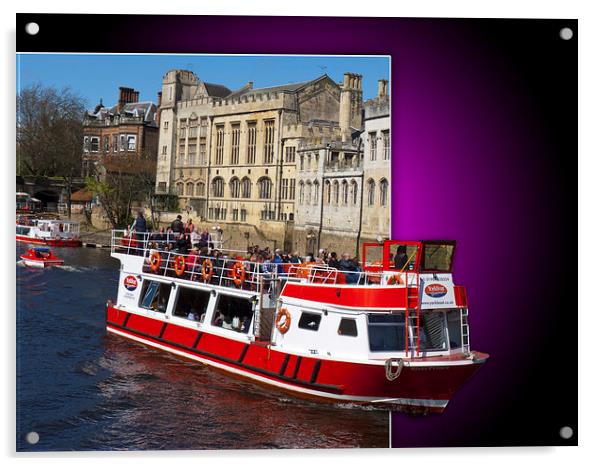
(193, 263)
(218, 320)
(294, 258)
(195, 238)
(181, 245)
(177, 226)
(205, 238)
(227, 324)
(401, 258)
(278, 261)
(236, 323)
(333, 261)
(246, 322)
(193, 315)
(350, 269)
(189, 228)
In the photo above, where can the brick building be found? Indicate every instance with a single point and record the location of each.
(129, 127)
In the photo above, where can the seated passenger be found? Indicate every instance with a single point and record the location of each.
(351, 270)
(236, 323)
(193, 315)
(227, 323)
(218, 319)
(401, 258)
(246, 323)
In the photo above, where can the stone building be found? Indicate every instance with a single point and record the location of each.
(230, 156)
(376, 141)
(129, 127)
(344, 183)
(253, 162)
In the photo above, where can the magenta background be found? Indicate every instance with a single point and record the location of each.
(484, 152)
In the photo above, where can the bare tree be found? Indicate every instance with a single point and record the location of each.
(119, 182)
(50, 134)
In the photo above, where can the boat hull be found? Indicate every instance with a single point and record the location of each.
(420, 387)
(60, 243)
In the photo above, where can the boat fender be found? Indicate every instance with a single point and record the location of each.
(395, 280)
(283, 325)
(207, 270)
(238, 273)
(179, 265)
(155, 261)
(391, 376)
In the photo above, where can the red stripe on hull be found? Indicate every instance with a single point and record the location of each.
(366, 297)
(340, 378)
(59, 243)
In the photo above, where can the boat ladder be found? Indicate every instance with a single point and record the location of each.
(465, 330)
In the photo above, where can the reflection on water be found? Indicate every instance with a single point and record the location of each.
(82, 389)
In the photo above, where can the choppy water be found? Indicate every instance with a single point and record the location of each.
(80, 388)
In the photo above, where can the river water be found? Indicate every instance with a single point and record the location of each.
(80, 388)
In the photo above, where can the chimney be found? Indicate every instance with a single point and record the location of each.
(127, 95)
(383, 89)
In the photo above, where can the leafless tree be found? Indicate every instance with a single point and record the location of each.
(50, 134)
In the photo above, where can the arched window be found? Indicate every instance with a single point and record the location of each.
(316, 192)
(308, 188)
(384, 192)
(354, 192)
(327, 192)
(189, 188)
(180, 189)
(371, 188)
(336, 193)
(246, 188)
(217, 187)
(200, 188)
(265, 188)
(301, 160)
(345, 192)
(301, 192)
(235, 187)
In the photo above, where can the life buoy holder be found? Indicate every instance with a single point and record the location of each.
(395, 280)
(281, 325)
(155, 261)
(207, 270)
(238, 273)
(389, 373)
(179, 265)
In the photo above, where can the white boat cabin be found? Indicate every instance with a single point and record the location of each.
(386, 309)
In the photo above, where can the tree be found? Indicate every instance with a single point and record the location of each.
(50, 134)
(119, 182)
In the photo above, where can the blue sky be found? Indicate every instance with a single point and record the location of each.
(99, 76)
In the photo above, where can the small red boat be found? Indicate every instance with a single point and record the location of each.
(41, 257)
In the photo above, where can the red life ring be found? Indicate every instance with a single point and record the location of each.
(155, 261)
(395, 280)
(207, 270)
(238, 273)
(179, 265)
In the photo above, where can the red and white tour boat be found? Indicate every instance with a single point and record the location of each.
(51, 232)
(391, 337)
(40, 257)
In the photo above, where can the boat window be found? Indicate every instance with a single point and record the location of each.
(191, 304)
(437, 257)
(309, 321)
(348, 327)
(386, 332)
(432, 332)
(454, 329)
(22, 230)
(155, 296)
(233, 313)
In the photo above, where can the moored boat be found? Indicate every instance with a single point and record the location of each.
(41, 257)
(393, 335)
(51, 232)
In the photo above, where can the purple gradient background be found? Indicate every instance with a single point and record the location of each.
(484, 152)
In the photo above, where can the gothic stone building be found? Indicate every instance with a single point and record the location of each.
(127, 128)
(233, 158)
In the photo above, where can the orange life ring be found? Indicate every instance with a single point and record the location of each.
(283, 326)
(207, 270)
(395, 280)
(238, 273)
(179, 265)
(155, 261)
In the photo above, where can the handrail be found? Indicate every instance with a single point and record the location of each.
(145, 243)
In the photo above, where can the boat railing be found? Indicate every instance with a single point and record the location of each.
(231, 268)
